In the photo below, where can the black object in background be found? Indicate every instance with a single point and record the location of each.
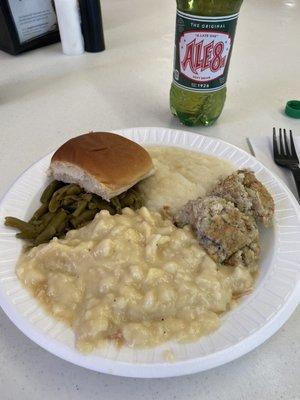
(26, 25)
(91, 25)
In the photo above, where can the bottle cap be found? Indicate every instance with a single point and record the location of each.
(292, 108)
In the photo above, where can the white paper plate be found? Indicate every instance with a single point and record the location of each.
(256, 319)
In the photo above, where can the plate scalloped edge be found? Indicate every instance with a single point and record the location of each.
(255, 320)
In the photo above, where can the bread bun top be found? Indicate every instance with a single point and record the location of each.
(110, 158)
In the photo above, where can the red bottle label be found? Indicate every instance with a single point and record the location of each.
(203, 50)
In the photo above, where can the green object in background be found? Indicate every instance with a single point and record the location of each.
(203, 43)
(292, 109)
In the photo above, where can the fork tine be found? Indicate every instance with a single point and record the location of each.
(286, 143)
(293, 150)
(275, 145)
(282, 151)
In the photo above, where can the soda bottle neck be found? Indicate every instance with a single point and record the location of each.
(206, 8)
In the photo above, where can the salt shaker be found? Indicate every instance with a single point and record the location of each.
(68, 18)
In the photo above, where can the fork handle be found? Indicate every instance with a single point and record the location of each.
(296, 175)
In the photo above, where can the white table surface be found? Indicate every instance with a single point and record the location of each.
(46, 98)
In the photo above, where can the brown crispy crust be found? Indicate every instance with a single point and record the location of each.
(246, 256)
(262, 202)
(248, 194)
(222, 229)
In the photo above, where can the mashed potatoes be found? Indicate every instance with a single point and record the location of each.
(181, 175)
(135, 278)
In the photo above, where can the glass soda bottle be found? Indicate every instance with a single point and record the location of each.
(204, 37)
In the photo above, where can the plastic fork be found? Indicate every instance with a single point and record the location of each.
(285, 154)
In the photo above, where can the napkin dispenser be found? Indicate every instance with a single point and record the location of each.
(27, 24)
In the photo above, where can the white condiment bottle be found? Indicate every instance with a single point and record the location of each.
(68, 18)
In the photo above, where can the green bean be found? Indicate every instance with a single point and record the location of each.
(87, 196)
(59, 218)
(58, 196)
(131, 199)
(68, 200)
(45, 221)
(39, 212)
(92, 205)
(138, 203)
(101, 204)
(54, 204)
(52, 228)
(61, 230)
(73, 189)
(49, 191)
(25, 236)
(45, 236)
(65, 207)
(93, 202)
(71, 208)
(127, 201)
(24, 227)
(116, 204)
(83, 218)
(81, 205)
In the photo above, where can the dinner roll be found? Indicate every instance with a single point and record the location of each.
(103, 163)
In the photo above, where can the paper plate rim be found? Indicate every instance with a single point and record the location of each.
(162, 369)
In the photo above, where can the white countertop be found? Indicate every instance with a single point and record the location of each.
(46, 98)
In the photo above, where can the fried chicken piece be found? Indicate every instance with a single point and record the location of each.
(221, 228)
(247, 256)
(185, 216)
(248, 194)
(224, 221)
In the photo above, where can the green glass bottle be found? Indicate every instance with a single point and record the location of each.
(204, 37)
